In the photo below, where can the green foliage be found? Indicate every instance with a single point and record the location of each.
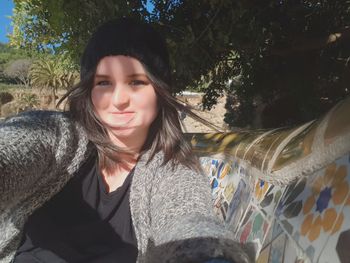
(65, 25)
(53, 73)
(19, 70)
(3, 47)
(8, 55)
(28, 100)
(296, 62)
(288, 58)
(8, 87)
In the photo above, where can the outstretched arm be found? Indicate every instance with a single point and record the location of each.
(183, 223)
(32, 145)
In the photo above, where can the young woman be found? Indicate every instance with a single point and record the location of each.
(111, 179)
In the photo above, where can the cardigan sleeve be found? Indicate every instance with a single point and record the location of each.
(183, 223)
(32, 145)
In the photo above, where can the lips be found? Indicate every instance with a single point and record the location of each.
(122, 118)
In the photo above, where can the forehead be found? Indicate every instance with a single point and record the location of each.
(119, 65)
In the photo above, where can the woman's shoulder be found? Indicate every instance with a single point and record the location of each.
(159, 162)
(48, 124)
(40, 116)
(179, 170)
(39, 119)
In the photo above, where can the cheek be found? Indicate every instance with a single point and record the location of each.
(152, 104)
(147, 102)
(99, 99)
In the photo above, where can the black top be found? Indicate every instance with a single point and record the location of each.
(82, 223)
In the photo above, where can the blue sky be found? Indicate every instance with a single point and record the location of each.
(6, 7)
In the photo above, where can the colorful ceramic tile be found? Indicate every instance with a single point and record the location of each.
(224, 180)
(272, 141)
(337, 247)
(238, 205)
(264, 255)
(277, 249)
(213, 143)
(338, 124)
(315, 212)
(273, 232)
(255, 154)
(245, 143)
(292, 253)
(254, 227)
(342, 247)
(261, 151)
(260, 190)
(307, 221)
(267, 197)
(290, 204)
(324, 207)
(299, 147)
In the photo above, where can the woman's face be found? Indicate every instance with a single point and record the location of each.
(124, 99)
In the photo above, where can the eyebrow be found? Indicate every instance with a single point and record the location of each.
(101, 76)
(129, 76)
(137, 75)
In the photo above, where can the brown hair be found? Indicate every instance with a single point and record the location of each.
(142, 42)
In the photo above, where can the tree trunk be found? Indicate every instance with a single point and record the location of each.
(53, 96)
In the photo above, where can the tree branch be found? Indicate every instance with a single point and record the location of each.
(304, 44)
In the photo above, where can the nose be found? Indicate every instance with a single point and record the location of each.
(120, 97)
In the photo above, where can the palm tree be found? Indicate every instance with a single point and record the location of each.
(52, 74)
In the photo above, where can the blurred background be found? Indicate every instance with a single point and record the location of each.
(267, 63)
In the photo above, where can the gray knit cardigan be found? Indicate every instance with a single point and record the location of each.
(171, 208)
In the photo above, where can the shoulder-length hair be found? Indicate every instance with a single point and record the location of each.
(143, 43)
(164, 134)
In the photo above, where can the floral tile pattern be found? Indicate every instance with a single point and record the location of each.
(322, 215)
(337, 246)
(310, 217)
(306, 221)
(313, 210)
(327, 191)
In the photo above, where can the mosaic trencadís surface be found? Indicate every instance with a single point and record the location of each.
(286, 190)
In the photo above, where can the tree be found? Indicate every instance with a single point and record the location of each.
(7, 56)
(19, 69)
(65, 25)
(281, 51)
(297, 62)
(51, 74)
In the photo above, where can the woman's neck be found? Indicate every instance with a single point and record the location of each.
(131, 145)
(115, 176)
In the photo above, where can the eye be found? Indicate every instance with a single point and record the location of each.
(137, 82)
(103, 83)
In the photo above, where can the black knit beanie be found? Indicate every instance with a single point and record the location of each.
(125, 36)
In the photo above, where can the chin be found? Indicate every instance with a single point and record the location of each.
(123, 135)
(120, 129)
(123, 131)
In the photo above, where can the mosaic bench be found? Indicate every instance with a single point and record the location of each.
(287, 190)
